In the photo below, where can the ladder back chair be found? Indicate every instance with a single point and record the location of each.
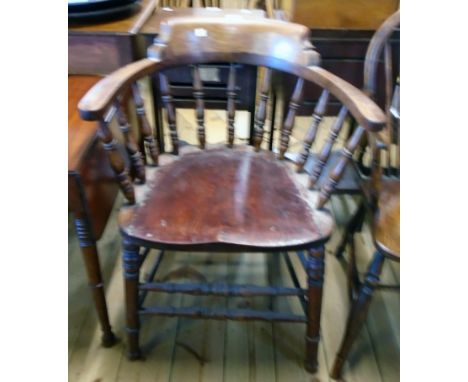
(381, 191)
(229, 197)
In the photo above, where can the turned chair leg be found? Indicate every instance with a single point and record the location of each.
(131, 265)
(93, 270)
(358, 313)
(354, 225)
(315, 270)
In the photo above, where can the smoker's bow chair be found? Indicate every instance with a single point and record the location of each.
(381, 191)
(224, 198)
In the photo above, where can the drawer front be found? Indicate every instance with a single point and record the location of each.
(98, 53)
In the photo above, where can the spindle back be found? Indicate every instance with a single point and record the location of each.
(379, 45)
(273, 44)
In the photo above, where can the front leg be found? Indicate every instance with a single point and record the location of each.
(131, 265)
(315, 270)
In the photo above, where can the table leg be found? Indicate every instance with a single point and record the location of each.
(93, 270)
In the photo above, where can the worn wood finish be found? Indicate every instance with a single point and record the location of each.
(382, 196)
(91, 193)
(246, 185)
(226, 199)
(260, 114)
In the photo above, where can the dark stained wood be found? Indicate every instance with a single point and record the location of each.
(382, 196)
(170, 111)
(231, 104)
(131, 145)
(150, 143)
(309, 139)
(288, 124)
(91, 194)
(260, 114)
(252, 201)
(199, 106)
(227, 199)
(327, 147)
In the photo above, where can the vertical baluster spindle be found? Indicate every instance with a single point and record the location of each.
(231, 104)
(338, 171)
(131, 145)
(199, 106)
(151, 148)
(309, 139)
(115, 158)
(290, 118)
(260, 115)
(170, 111)
(327, 147)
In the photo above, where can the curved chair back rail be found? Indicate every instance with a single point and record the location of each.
(269, 43)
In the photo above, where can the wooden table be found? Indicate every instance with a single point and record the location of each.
(92, 190)
(104, 47)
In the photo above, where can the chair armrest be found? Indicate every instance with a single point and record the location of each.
(95, 102)
(366, 111)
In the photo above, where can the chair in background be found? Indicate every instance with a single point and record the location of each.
(226, 197)
(381, 192)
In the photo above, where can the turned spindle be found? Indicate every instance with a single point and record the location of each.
(290, 118)
(231, 104)
(198, 94)
(336, 174)
(131, 145)
(309, 139)
(116, 161)
(151, 148)
(261, 110)
(327, 147)
(170, 111)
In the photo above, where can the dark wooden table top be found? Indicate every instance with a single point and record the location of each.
(81, 134)
(152, 25)
(128, 25)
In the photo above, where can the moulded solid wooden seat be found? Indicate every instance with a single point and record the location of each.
(227, 197)
(387, 219)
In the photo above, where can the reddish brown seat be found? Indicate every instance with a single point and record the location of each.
(230, 198)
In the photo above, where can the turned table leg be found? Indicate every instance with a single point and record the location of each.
(315, 270)
(358, 312)
(93, 270)
(131, 264)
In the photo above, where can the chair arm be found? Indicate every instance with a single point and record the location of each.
(364, 110)
(95, 102)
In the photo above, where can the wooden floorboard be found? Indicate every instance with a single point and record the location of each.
(179, 349)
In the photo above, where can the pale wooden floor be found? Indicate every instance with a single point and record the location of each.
(180, 349)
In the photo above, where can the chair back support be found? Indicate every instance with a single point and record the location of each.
(390, 136)
(276, 45)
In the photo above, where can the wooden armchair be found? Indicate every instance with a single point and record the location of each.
(222, 198)
(381, 192)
